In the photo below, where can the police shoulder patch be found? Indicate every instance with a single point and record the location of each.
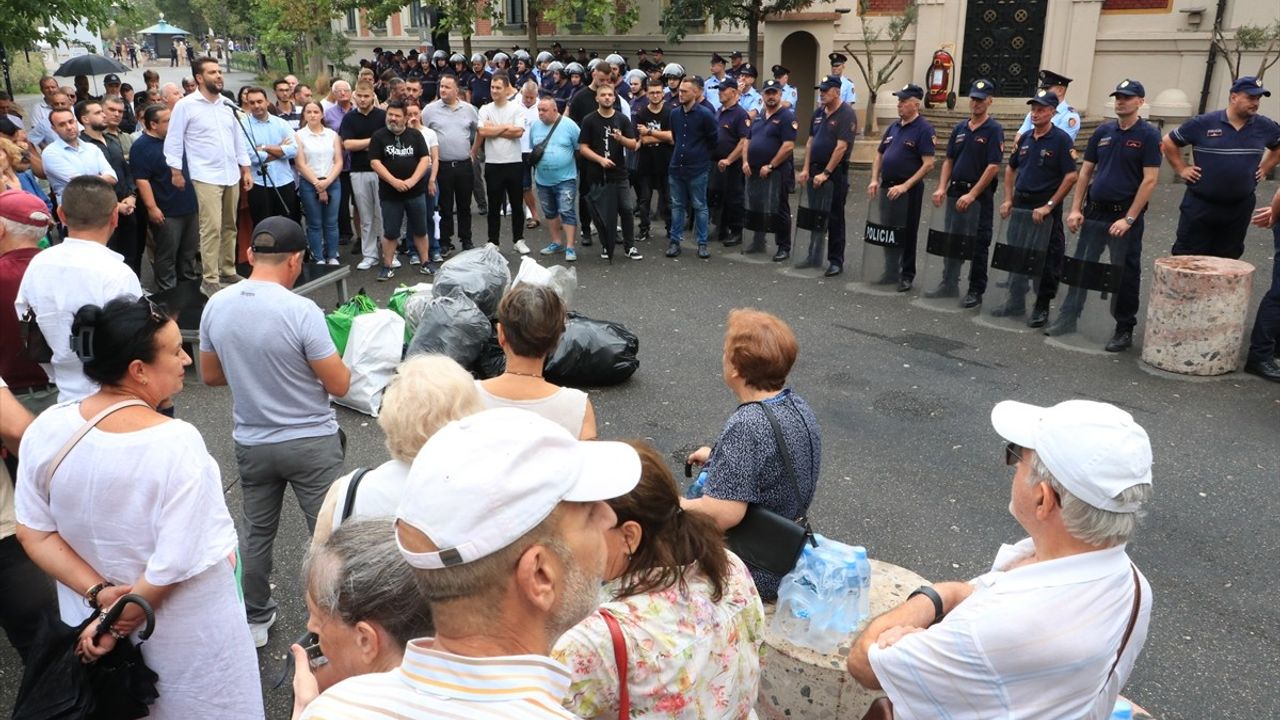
(795, 125)
(1071, 122)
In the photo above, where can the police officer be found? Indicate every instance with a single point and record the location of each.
(970, 174)
(1229, 161)
(431, 79)
(1119, 173)
(717, 79)
(831, 135)
(735, 64)
(770, 146)
(478, 83)
(749, 97)
(1266, 328)
(673, 74)
(1040, 174)
(565, 91)
(848, 93)
(789, 94)
(1065, 116)
(726, 192)
(903, 160)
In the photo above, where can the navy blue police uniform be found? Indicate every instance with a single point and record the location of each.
(1215, 211)
(825, 131)
(768, 133)
(903, 148)
(725, 189)
(478, 86)
(972, 151)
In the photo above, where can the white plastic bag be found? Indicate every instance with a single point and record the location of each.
(372, 354)
(564, 280)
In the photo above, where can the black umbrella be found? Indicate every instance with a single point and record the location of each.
(90, 64)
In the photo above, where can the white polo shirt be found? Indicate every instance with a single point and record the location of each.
(1034, 642)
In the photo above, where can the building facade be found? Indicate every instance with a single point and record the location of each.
(1164, 43)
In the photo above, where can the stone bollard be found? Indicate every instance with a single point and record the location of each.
(796, 682)
(1196, 314)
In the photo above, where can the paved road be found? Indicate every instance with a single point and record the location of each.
(911, 467)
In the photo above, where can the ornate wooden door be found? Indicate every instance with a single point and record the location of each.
(1002, 42)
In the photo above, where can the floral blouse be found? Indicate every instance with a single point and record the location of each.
(687, 657)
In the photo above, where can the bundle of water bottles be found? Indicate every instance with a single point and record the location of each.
(826, 597)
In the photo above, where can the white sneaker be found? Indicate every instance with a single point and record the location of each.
(260, 631)
(366, 264)
(395, 263)
(332, 261)
(522, 248)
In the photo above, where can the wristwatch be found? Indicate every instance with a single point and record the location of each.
(1130, 219)
(1049, 204)
(929, 592)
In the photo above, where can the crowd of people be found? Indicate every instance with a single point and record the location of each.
(506, 560)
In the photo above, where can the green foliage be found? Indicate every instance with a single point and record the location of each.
(679, 15)
(25, 71)
(599, 17)
(25, 22)
(1249, 38)
(895, 31)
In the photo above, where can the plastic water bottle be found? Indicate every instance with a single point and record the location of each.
(864, 575)
(1123, 711)
(695, 490)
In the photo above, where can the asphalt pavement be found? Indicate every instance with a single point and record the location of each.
(911, 466)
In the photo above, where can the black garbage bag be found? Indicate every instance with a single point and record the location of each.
(492, 361)
(452, 325)
(593, 353)
(482, 274)
(56, 685)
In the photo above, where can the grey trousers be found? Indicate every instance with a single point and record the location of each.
(177, 241)
(309, 466)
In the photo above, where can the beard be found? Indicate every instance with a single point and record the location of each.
(579, 595)
(213, 87)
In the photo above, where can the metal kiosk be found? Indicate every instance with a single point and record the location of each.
(761, 220)
(1020, 254)
(811, 224)
(882, 244)
(952, 241)
(1093, 272)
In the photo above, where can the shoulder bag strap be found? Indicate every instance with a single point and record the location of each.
(552, 131)
(782, 450)
(1133, 619)
(619, 658)
(84, 430)
(349, 504)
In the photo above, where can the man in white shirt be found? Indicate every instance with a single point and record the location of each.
(67, 157)
(501, 127)
(204, 130)
(41, 133)
(76, 272)
(529, 101)
(1055, 628)
(503, 520)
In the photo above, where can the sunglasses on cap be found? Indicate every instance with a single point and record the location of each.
(1012, 454)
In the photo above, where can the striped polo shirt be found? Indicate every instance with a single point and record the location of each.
(435, 684)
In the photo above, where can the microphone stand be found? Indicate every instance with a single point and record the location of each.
(262, 166)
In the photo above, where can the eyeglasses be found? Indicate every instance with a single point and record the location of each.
(1012, 454)
(158, 315)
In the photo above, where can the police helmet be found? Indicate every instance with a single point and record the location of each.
(477, 57)
(594, 62)
(501, 57)
(673, 70)
(636, 75)
(616, 59)
(545, 56)
(522, 55)
(574, 68)
(438, 55)
(555, 66)
(457, 58)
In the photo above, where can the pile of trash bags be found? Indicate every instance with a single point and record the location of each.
(455, 316)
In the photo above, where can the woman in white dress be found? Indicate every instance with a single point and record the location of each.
(530, 322)
(137, 506)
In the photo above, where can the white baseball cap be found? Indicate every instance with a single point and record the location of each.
(1096, 450)
(483, 481)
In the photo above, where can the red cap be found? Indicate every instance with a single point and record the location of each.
(23, 207)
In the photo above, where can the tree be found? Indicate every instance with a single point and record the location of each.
(595, 17)
(895, 31)
(1249, 38)
(23, 24)
(227, 18)
(680, 14)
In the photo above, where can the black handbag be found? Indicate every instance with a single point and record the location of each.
(57, 686)
(764, 539)
(536, 152)
(34, 345)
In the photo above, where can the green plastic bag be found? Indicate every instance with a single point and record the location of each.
(399, 298)
(339, 320)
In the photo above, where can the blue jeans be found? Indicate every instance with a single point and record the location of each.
(560, 200)
(322, 219)
(686, 192)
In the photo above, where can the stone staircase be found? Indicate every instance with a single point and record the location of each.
(943, 120)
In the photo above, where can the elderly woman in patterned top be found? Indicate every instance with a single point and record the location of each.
(745, 466)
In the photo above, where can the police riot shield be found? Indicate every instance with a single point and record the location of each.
(761, 224)
(811, 225)
(882, 241)
(1091, 276)
(951, 244)
(1017, 261)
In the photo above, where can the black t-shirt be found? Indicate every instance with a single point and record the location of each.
(400, 154)
(653, 158)
(597, 134)
(356, 126)
(582, 104)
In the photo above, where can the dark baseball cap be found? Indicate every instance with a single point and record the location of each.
(1044, 97)
(1250, 85)
(909, 91)
(981, 89)
(1129, 88)
(829, 82)
(278, 235)
(111, 79)
(771, 85)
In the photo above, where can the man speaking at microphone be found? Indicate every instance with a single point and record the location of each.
(204, 133)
